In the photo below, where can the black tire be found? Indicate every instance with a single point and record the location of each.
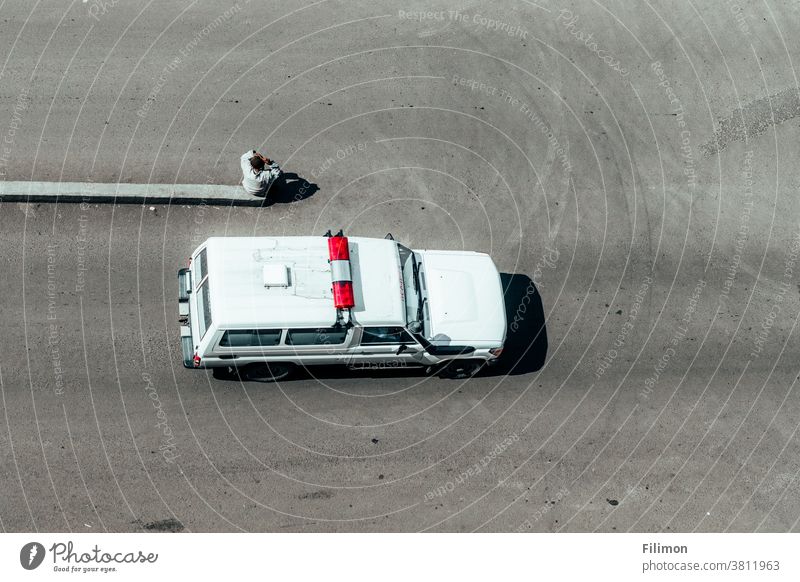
(272, 372)
(461, 369)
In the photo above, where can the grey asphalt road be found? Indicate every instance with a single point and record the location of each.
(632, 171)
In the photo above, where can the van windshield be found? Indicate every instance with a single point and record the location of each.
(411, 282)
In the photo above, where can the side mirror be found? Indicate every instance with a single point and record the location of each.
(414, 327)
(389, 236)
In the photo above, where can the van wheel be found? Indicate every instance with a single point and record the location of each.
(271, 372)
(461, 369)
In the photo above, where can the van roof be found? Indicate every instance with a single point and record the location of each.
(277, 282)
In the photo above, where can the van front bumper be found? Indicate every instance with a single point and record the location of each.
(184, 316)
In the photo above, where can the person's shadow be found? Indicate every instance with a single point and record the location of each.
(290, 188)
(525, 349)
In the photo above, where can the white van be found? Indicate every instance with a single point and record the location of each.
(264, 305)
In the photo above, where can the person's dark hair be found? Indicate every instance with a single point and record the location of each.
(257, 163)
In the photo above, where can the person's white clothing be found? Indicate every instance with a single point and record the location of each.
(254, 182)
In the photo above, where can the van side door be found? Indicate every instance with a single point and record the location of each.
(385, 347)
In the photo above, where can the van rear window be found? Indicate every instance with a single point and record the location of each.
(201, 266)
(245, 338)
(316, 337)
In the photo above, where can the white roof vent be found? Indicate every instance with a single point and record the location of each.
(276, 275)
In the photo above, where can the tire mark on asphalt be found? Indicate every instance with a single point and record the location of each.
(754, 119)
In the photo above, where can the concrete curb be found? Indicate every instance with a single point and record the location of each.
(76, 192)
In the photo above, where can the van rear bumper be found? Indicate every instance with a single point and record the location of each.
(184, 316)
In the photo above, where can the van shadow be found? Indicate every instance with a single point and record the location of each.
(358, 372)
(336, 372)
(525, 349)
(290, 188)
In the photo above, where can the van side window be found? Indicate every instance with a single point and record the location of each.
(204, 306)
(246, 338)
(316, 337)
(385, 335)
